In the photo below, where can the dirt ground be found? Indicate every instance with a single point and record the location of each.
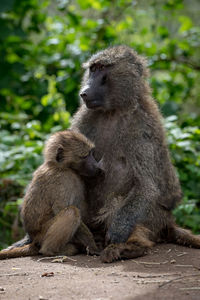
(167, 272)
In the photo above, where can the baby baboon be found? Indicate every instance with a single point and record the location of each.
(54, 203)
(140, 189)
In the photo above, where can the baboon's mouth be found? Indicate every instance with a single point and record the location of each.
(92, 104)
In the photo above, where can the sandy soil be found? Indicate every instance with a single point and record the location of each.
(168, 272)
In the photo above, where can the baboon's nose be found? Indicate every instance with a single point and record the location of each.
(100, 172)
(84, 95)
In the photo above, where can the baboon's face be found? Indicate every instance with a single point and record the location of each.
(88, 166)
(75, 151)
(112, 79)
(83, 162)
(96, 88)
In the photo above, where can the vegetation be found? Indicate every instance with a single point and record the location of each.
(42, 46)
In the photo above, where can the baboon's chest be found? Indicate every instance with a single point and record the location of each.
(106, 137)
(109, 145)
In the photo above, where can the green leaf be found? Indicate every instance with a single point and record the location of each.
(186, 23)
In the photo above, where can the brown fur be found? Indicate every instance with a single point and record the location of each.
(140, 188)
(55, 199)
(137, 245)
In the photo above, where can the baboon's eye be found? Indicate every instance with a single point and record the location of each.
(95, 67)
(103, 81)
(100, 67)
(59, 154)
(84, 156)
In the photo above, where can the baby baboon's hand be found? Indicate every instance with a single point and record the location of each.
(92, 251)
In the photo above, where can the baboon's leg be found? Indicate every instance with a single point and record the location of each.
(84, 236)
(137, 245)
(70, 249)
(60, 231)
(123, 250)
(183, 237)
(27, 250)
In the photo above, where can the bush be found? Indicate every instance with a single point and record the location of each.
(185, 149)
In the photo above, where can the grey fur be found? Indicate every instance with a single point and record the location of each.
(140, 186)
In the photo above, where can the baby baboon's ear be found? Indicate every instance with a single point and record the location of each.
(140, 68)
(59, 154)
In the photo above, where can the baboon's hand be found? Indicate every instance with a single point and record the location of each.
(93, 251)
(110, 253)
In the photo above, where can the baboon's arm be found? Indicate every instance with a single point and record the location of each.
(67, 197)
(85, 237)
(134, 212)
(143, 193)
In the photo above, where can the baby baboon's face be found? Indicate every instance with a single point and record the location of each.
(88, 166)
(82, 158)
(72, 150)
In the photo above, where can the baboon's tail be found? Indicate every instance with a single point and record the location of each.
(183, 237)
(25, 241)
(27, 250)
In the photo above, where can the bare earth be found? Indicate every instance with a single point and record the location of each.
(168, 272)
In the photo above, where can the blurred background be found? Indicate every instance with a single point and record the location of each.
(42, 47)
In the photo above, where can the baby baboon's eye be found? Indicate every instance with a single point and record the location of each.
(59, 154)
(84, 156)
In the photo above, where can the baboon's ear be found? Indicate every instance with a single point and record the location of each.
(59, 154)
(140, 68)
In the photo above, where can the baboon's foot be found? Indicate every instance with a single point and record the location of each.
(124, 250)
(110, 253)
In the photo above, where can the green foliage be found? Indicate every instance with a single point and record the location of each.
(185, 149)
(42, 47)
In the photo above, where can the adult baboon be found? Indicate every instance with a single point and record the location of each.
(54, 203)
(133, 205)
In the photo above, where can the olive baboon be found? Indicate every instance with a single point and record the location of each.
(132, 206)
(130, 209)
(54, 202)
